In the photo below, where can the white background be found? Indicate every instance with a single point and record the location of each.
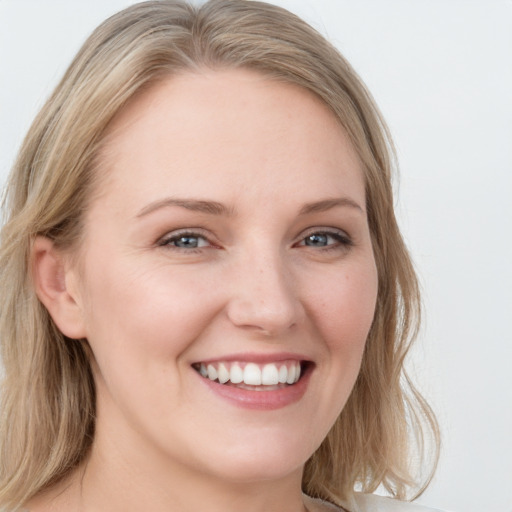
(441, 71)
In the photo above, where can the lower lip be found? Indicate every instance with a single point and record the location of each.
(261, 400)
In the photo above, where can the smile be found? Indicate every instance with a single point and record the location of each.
(269, 376)
(258, 382)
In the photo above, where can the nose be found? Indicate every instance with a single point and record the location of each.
(263, 295)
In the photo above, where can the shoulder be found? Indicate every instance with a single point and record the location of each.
(367, 503)
(317, 505)
(374, 503)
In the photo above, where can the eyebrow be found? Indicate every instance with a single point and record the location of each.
(328, 204)
(216, 208)
(197, 205)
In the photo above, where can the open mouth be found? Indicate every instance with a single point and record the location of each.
(253, 376)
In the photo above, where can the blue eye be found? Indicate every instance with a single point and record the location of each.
(317, 240)
(326, 240)
(185, 241)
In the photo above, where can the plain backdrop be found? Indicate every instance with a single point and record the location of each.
(441, 72)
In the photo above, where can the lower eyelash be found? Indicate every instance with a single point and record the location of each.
(340, 238)
(168, 240)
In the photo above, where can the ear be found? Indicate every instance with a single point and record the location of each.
(55, 285)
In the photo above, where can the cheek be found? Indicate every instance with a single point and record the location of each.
(344, 308)
(141, 324)
(341, 307)
(147, 313)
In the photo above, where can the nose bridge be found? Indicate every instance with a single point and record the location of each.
(263, 292)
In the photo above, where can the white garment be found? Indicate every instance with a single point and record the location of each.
(374, 503)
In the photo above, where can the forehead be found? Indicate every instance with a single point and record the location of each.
(236, 127)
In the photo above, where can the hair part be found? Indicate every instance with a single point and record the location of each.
(48, 399)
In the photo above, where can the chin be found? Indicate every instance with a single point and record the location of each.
(271, 459)
(251, 471)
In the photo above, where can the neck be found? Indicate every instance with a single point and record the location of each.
(142, 480)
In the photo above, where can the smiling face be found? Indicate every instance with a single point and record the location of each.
(228, 242)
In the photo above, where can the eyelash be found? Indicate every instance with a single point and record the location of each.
(168, 240)
(342, 240)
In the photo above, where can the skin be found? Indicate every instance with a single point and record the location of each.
(150, 309)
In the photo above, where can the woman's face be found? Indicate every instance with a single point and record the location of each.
(229, 240)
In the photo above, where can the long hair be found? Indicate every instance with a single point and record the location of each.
(48, 394)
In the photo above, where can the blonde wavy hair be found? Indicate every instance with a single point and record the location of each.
(48, 393)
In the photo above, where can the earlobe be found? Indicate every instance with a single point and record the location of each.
(52, 280)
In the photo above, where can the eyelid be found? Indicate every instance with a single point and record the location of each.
(327, 231)
(191, 232)
(343, 238)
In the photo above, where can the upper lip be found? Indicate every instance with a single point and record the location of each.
(252, 357)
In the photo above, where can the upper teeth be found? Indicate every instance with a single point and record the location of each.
(252, 374)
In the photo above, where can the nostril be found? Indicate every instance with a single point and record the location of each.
(262, 297)
(265, 317)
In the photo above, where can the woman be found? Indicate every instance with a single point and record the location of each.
(207, 301)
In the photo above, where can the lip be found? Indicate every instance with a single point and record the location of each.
(257, 358)
(260, 400)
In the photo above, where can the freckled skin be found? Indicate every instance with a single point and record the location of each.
(264, 149)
